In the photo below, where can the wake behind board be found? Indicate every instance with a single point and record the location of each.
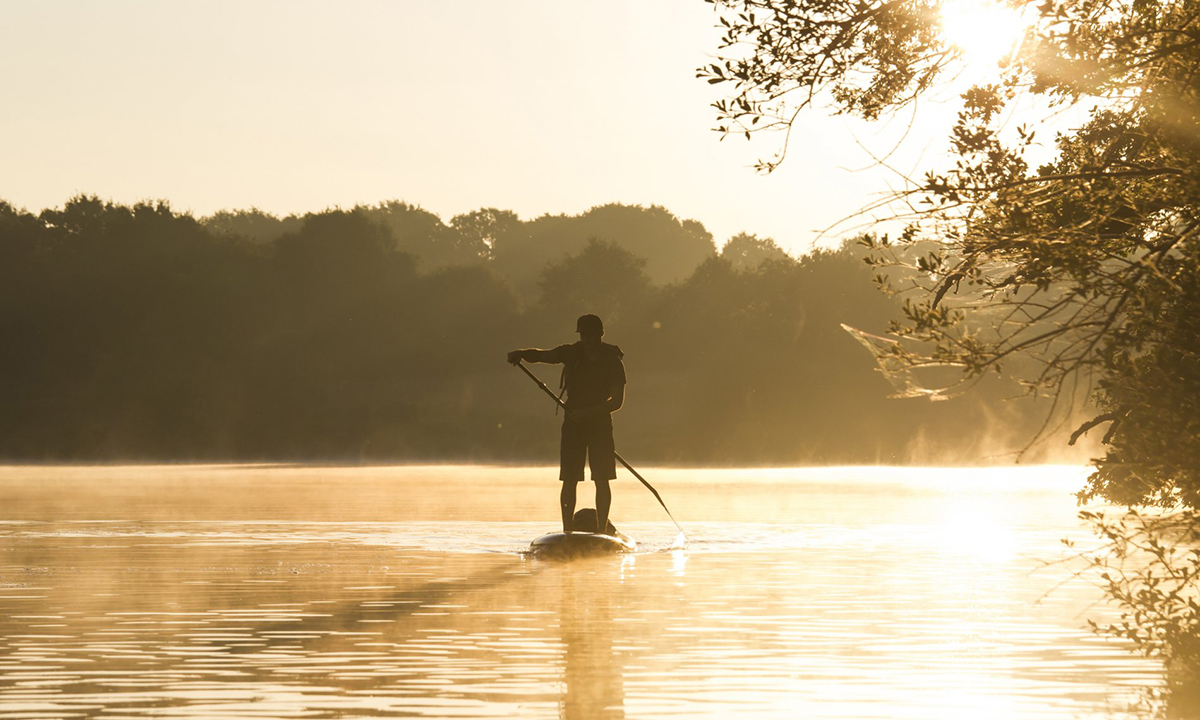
(570, 546)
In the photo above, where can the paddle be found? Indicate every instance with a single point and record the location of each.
(679, 540)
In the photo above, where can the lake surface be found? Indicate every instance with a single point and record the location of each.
(322, 592)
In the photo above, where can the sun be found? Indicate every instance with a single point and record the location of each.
(986, 33)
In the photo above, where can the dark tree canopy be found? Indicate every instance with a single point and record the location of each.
(671, 247)
(602, 276)
(253, 224)
(746, 251)
(485, 227)
(515, 249)
(139, 333)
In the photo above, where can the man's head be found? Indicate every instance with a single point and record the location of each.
(590, 328)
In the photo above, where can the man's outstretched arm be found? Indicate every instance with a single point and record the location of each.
(535, 355)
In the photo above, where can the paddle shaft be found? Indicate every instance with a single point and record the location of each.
(616, 454)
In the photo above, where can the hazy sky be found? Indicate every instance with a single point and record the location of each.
(534, 106)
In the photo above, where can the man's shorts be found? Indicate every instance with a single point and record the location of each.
(590, 439)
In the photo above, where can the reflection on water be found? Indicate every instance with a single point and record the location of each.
(402, 592)
(592, 674)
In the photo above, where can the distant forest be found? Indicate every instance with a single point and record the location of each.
(378, 334)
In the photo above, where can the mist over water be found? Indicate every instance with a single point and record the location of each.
(293, 591)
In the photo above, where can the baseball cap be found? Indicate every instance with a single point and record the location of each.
(589, 323)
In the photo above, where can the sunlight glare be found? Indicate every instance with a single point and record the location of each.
(679, 543)
(679, 559)
(985, 32)
(980, 532)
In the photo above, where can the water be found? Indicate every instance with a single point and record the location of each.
(311, 592)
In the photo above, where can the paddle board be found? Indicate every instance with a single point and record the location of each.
(569, 546)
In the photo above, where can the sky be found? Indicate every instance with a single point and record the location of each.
(529, 105)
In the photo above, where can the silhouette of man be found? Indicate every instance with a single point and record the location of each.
(594, 379)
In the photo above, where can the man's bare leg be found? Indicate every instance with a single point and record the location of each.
(567, 501)
(603, 504)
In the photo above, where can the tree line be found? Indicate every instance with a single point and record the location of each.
(136, 332)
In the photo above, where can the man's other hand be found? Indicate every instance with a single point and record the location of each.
(514, 357)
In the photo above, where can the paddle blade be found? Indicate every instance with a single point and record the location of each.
(680, 542)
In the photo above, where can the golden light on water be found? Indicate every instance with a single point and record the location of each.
(985, 33)
(290, 591)
(980, 532)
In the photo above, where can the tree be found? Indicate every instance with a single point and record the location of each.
(1080, 264)
(480, 229)
(1087, 265)
(672, 248)
(602, 278)
(746, 251)
(423, 234)
(255, 225)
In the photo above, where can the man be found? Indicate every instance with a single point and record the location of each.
(594, 377)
